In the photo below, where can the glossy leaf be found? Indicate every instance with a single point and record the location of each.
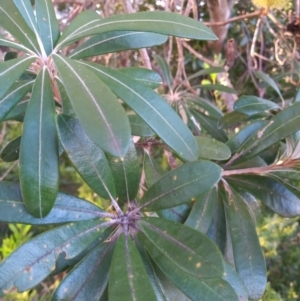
(252, 105)
(39, 171)
(48, 27)
(100, 114)
(160, 22)
(190, 250)
(87, 157)
(115, 41)
(128, 279)
(12, 20)
(207, 107)
(181, 185)
(10, 71)
(89, 278)
(10, 151)
(270, 192)
(202, 212)
(212, 149)
(67, 108)
(152, 109)
(67, 208)
(165, 70)
(11, 44)
(147, 77)
(18, 112)
(35, 259)
(25, 8)
(139, 127)
(126, 174)
(176, 214)
(15, 94)
(248, 257)
(231, 119)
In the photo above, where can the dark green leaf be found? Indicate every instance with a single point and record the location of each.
(34, 260)
(47, 24)
(39, 171)
(87, 157)
(139, 127)
(10, 151)
(176, 214)
(190, 250)
(128, 279)
(25, 8)
(97, 108)
(88, 279)
(115, 41)
(10, 55)
(18, 112)
(147, 77)
(160, 22)
(216, 87)
(67, 108)
(165, 69)
(16, 93)
(181, 185)
(67, 208)
(152, 109)
(11, 70)
(207, 107)
(231, 119)
(212, 149)
(11, 44)
(126, 173)
(248, 257)
(202, 212)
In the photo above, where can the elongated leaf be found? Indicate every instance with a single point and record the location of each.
(160, 22)
(34, 260)
(206, 71)
(39, 172)
(126, 173)
(10, 71)
(67, 208)
(98, 110)
(212, 149)
(270, 192)
(181, 185)
(88, 280)
(190, 250)
(67, 108)
(216, 87)
(139, 127)
(279, 127)
(25, 8)
(10, 151)
(208, 108)
(165, 69)
(202, 212)
(87, 157)
(12, 20)
(128, 279)
(248, 257)
(176, 214)
(115, 41)
(18, 112)
(147, 77)
(252, 105)
(152, 109)
(231, 119)
(48, 26)
(13, 97)
(11, 44)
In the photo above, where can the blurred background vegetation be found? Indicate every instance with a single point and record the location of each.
(269, 44)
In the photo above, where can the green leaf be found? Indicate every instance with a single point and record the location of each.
(206, 71)
(128, 279)
(251, 105)
(176, 214)
(147, 77)
(47, 23)
(139, 127)
(181, 185)
(152, 109)
(89, 278)
(35, 259)
(279, 127)
(202, 212)
(18, 112)
(67, 108)
(270, 192)
(216, 87)
(67, 208)
(109, 42)
(248, 257)
(25, 8)
(212, 149)
(10, 71)
(160, 22)
(126, 173)
(10, 151)
(15, 94)
(165, 69)
(206, 106)
(231, 119)
(12, 20)
(190, 250)
(39, 171)
(99, 111)
(14, 45)
(87, 157)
